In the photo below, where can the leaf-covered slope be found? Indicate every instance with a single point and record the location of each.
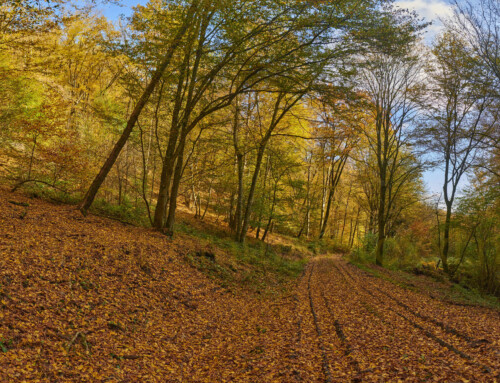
(93, 300)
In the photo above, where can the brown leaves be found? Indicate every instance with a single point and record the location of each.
(94, 300)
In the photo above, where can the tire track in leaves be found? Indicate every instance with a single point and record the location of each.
(326, 367)
(296, 342)
(427, 318)
(473, 341)
(367, 339)
(413, 323)
(455, 339)
(445, 328)
(478, 318)
(404, 340)
(307, 352)
(338, 361)
(347, 349)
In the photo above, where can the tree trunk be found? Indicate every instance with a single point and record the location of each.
(240, 167)
(327, 212)
(115, 152)
(239, 196)
(379, 252)
(334, 178)
(345, 214)
(208, 200)
(268, 226)
(261, 210)
(163, 195)
(248, 208)
(446, 239)
(356, 228)
(169, 226)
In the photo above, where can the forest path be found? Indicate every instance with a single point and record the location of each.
(368, 329)
(93, 300)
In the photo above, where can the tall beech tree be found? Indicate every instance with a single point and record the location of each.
(298, 40)
(391, 83)
(230, 48)
(461, 119)
(187, 20)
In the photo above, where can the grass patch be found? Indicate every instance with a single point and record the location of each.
(454, 293)
(259, 266)
(125, 212)
(473, 297)
(38, 190)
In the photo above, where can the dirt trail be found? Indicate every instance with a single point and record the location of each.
(371, 330)
(96, 301)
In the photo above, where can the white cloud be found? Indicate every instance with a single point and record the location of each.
(430, 10)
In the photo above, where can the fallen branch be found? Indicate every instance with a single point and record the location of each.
(25, 204)
(20, 183)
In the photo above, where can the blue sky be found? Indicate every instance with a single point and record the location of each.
(113, 12)
(430, 10)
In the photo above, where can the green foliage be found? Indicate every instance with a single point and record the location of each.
(365, 251)
(125, 212)
(477, 257)
(326, 245)
(256, 264)
(401, 252)
(55, 193)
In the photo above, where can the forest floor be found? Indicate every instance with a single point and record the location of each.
(94, 300)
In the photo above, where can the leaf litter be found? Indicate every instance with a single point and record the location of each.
(94, 300)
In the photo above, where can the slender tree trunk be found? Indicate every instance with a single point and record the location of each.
(275, 120)
(261, 210)
(327, 211)
(197, 209)
(163, 195)
(334, 178)
(115, 152)
(239, 196)
(308, 226)
(446, 239)
(208, 201)
(356, 228)
(323, 194)
(345, 213)
(306, 203)
(248, 208)
(268, 226)
(169, 159)
(240, 167)
(169, 226)
(379, 252)
(230, 217)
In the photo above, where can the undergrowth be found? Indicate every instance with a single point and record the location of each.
(453, 292)
(255, 264)
(261, 267)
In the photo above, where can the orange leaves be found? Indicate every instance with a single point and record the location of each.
(76, 305)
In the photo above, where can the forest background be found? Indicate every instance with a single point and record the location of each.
(309, 119)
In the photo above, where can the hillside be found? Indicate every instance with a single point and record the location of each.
(94, 300)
